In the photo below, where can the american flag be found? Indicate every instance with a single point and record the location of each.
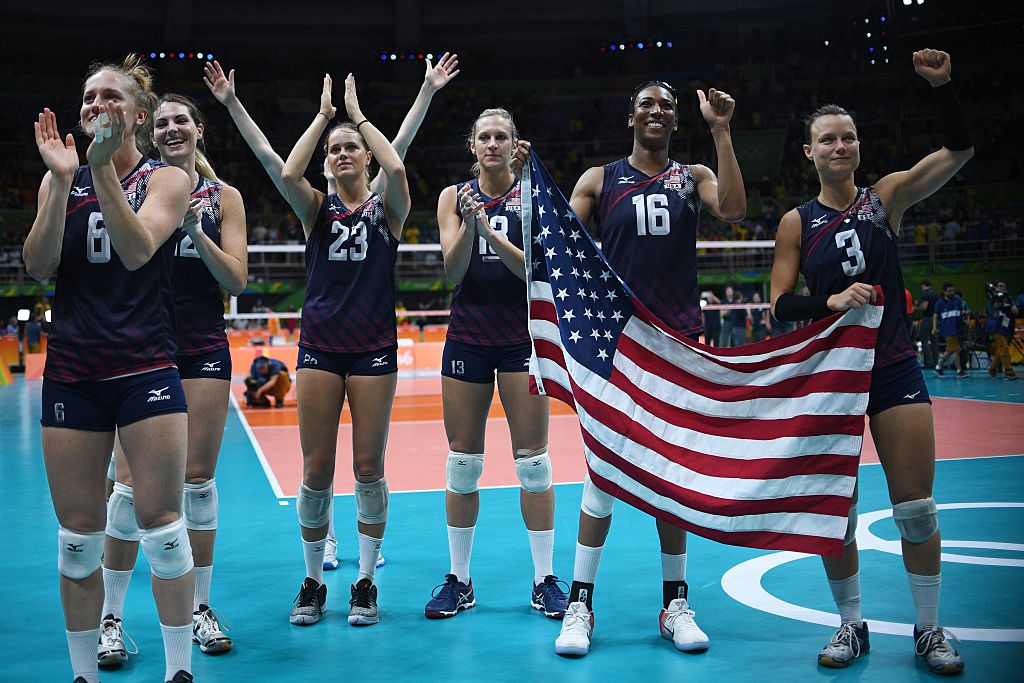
(754, 446)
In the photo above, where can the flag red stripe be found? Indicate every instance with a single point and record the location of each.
(767, 540)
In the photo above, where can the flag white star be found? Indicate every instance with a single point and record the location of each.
(550, 253)
(575, 336)
(568, 252)
(605, 275)
(602, 355)
(595, 334)
(556, 273)
(579, 254)
(536, 265)
(586, 275)
(544, 232)
(611, 295)
(575, 273)
(549, 192)
(593, 296)
(575, 235)
(540, 211)
(587, 313)
(581, 292)
(616, 316)
(600, 314)
(607, 335)
(539, 240)
(536, 191)
(568, 315)
(562, 294)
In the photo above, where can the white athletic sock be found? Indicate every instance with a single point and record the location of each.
(115, 587)
(542, 544)
(673, 567)
(313, 554)
(460, 549)
(587, 561)
(369, 548)
(204, 575)
(925, 591)
(177, 649)
(846, 593)
(82, 648)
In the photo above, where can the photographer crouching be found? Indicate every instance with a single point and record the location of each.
(1001, 316)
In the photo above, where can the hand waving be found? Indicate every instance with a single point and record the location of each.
(438, 76)
(326, 108)
(933, 66)
(222, 87)
(109, 127)
(717, 108)
(59, 155)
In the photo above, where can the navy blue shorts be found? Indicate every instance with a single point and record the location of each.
(478, 363)
(210, 365)
(896, 385)
(361, 364)
(101, 405)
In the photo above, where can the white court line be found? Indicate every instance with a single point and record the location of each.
(274, 484)
(482, 488)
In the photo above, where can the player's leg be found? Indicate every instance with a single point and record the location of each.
(121, 548)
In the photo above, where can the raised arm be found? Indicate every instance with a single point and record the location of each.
(228, 263)
(587, 193)
(397, 201)
(135, 236)
(223, 89)
(41, 252)
(304, 199)
(901, 190)
(724, 195)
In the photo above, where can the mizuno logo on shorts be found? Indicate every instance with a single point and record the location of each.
(158, 395)
(913, 395)
(211, 367)
(377, 362)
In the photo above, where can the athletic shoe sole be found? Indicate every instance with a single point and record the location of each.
(217, 647)
(834, 663)
(362, 620)
(443, 614)
(549, 615)
(571, 650)
(689, 648)
(112, 661)
(304, 619)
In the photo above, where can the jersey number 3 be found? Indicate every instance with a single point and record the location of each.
(652, 216)
(97, 242)
(357, 252)
(848, 239)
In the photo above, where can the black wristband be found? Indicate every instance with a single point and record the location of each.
(956, 136)
(361, 123)
(792, 307)
(320, 113)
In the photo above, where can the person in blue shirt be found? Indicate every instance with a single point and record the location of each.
(949, 313)
(267, 377)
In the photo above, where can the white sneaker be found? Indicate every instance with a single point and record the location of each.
(577, 626)
(112, 652)
(208, 633)
(677, 625)
(330, 554)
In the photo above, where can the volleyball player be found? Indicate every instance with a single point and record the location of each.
(647, 207)
(844, 242)
(482, 241)
(210, 254)
(348, 345)
(104, 230)
(223, 88)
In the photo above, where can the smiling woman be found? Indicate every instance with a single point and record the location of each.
(108, 246)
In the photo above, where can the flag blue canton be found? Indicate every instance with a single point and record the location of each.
(592, 303)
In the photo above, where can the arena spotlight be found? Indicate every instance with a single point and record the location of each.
(393, 56)
(612, 48)
(23, 315)
(668, 44)
(639, 46)
(920, 2)
(430, 55)
(883, 18)
(868, 34)
(826, 43)
(621, 46)
(152, 55)
(908, 3)
(181, 55)
(658, 44)
(162, 55)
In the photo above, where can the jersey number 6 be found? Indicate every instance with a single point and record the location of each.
(97, 242)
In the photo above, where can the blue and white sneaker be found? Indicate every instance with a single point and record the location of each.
(549, 597)
(449, 598)
(330, 554)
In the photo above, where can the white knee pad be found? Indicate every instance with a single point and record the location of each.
(596, 502)
(79, 553)
(199, 505)
(851, 527)
(372, 502)
(121, 522)
(917, 520)
(534, 470)
(168, 550)
(463, 471)
(314, 507)
(111, 470)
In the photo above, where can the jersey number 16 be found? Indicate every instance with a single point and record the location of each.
(652, 216)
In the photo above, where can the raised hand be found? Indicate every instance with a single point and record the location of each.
(471, 207)
(717, 108)
(109, 128)
(59, 155)
(438, 76)
(856, 295)
(519, 158)
(222, 87)
(326, 108)
(352, 100)
(933, 66)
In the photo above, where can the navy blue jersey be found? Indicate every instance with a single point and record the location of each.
(108, 321)
(649, 235)
(951, 313)
(489, 305)
(198, 302)
(350, 279)
(838, 248)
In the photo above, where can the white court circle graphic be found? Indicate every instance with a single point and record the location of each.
(743, 582)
